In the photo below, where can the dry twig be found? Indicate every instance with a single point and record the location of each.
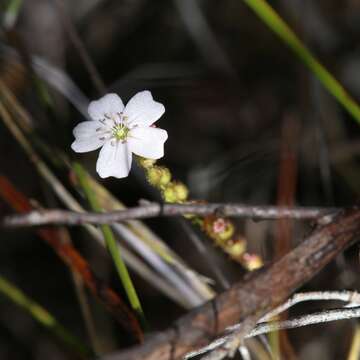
(246, 302)
(264, 325)
(64, 217)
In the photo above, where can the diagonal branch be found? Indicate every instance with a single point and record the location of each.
(319, 317)
(265, 325)
(248, 301)
(65, 217)
(216, 349)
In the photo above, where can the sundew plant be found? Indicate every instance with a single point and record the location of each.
(177, 177)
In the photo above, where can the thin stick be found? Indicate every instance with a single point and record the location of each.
(308, 319)
(251, 299)
(219, 351)
(346, 296)
(263, 326)
(150, 210)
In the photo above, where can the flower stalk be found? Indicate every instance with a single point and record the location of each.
(220, 230)
(112, 247)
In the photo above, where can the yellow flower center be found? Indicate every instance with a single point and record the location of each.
(120, 132)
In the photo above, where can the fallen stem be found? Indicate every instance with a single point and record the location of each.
(64, 217)
(249, 300)
(320, 317)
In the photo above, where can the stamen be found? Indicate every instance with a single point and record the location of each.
(107, 116)
(102, 138)
(114, 121)
(120, 131)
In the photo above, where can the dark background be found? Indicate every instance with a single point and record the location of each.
(234, 95)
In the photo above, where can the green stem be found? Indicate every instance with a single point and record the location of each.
(41, 315)
(112, 246)
(278, 25)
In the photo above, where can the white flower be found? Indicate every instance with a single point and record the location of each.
(121, 131)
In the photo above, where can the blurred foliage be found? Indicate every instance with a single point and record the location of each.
(230, 87)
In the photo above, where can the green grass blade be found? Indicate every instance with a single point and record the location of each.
(111, 245)
(41, 315)
(269, 16)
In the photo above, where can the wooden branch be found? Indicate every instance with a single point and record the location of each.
(250, 299)
(319, 317)
(65, 217)
(217, 350)
(351, 297)
(266, 323)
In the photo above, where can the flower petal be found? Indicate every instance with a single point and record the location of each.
(147, 142)
(86, 137)
(108, 104)
(142, 110)
(114, 160)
